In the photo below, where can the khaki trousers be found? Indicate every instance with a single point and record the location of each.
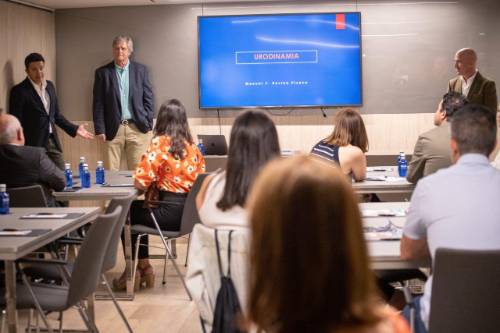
(132, 142)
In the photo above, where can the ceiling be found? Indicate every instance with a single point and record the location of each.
(61, 4)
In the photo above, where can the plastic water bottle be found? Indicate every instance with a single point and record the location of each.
(99, 173)
(69, 175)
(201, 147)
(4, 200)
(402, 166)
(86, 176)
(401, 154)
(80, 167)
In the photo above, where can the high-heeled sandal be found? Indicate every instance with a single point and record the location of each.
(147, 276)
(120, 284)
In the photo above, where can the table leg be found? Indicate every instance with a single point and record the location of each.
(10, 295)
(128, 260)
(91, 307)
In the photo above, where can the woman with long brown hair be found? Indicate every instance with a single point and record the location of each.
(309, 268)
(347, 144)
(222, 197)
(171, 164)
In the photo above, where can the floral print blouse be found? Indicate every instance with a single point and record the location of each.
(171, 174)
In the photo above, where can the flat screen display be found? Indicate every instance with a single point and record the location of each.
(285, 60)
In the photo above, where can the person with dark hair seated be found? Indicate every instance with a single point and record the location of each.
(222, 197)
(309, 268)
(432, 150)
(347, 144)
(171, 163)
(456, 207)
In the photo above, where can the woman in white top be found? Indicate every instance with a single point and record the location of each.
(221, 199)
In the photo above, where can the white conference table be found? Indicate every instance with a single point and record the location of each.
(380, 179)
(385, 254)
(15, 247)
(119, 183)
(383, 179)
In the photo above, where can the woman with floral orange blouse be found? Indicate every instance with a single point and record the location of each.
(171, 163)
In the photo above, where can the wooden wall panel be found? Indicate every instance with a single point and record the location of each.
(388, 134)
(24, 30)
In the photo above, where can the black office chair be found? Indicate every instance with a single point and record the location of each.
(465, 291)
(27, 196)
(189, 219)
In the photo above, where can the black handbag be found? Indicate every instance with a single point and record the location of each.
(152, 196)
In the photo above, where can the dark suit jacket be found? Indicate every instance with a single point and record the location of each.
(482, 91)
(25, 166)
(27, 106)
(107, 107)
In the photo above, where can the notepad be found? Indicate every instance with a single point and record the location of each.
(383, 235)
(379, 168)
(44, 216)
(383, 212)
(118, 185)
(14, 232)
(389, 179)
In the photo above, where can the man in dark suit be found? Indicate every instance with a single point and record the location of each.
(123, 106)
(470, 83)
(24, 165)
(34, 103)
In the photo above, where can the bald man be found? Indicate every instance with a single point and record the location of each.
(25, 165)
(471, 83)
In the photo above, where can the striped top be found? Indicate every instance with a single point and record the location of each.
(327, 151)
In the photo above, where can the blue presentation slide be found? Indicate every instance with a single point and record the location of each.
(286, 60)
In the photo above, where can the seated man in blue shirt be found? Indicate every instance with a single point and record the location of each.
(456, 207)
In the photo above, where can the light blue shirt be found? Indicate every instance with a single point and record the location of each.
(457, 207)
(122, 74)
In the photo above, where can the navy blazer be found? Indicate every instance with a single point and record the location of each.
(107, 108)
(27, 106)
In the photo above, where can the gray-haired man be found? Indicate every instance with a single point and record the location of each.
(123, 105)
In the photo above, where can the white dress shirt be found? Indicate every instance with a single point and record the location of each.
(466, 84)
(44, 96)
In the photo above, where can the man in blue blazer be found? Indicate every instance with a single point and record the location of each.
(34, 103)
(123, 106)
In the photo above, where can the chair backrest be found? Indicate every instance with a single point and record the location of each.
(202, 276)
(465, 291)
(27, 196)
(124, 203)
(88, 265)
(190, 214)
